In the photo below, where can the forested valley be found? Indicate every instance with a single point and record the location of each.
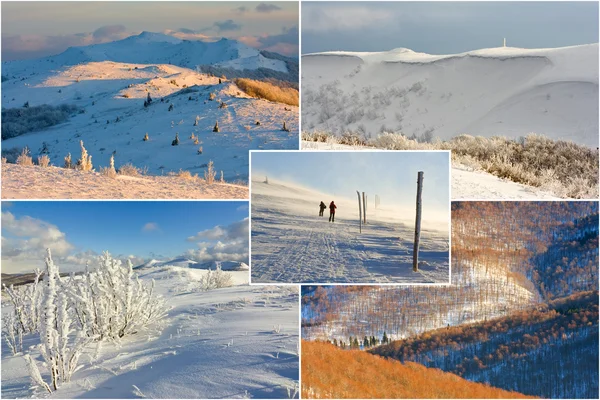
(521, 312)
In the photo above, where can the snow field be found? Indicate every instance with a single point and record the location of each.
(293, 246)
(235, 342)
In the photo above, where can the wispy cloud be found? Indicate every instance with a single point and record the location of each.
(267, 8)
(228, 25)
(348, 17)
(221, 243)
(150, 227)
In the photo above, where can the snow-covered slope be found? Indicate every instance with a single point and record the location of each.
(111, 96)
(153, 48)
(235, 342)
(187, 263)
(292, 244)
(502, 91)
(466, 183)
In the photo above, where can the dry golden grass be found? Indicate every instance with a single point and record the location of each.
(329, 372)
(268, 91)
(130, 170)
(24, 158)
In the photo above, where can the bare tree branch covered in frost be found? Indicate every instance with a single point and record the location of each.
(111, 301)
(106, 303)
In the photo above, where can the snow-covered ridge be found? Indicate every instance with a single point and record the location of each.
(154, 48)
(500, 91)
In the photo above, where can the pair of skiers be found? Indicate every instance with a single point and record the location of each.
(332, 208)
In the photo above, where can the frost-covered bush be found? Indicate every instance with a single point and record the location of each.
(17, 121)
(61, 345)
(216, 279)
(24, 158)
(210, 173)
(23, 318)
(85, 162)
(111, 302)
(43, 161)
(110, 171)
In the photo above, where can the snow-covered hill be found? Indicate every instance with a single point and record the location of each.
(183, 262)
(292, 244)
(153, 48)
(235, 342)
(502, 91)
(109, 83)
(33, 182)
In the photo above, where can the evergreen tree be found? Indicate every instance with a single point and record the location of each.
(385, 338)
(365, 342)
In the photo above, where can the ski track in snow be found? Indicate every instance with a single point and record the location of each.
(290, 248)
(216, 344)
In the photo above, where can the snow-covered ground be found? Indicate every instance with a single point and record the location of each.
(292, 244)
(466, 183)
(235, 342)
(110, 83)
(32, 182)
(501, 91)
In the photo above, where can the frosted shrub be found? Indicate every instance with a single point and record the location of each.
(59, 347)
(24, 158)
(110, 171)
(210, 173)
(23, 319)
(216, 279)
(43, 161)
(129, 170)
(111, 302)
(68, 162)
(85, 162)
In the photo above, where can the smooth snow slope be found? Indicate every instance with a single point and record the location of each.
(216, 344)
(502, 91)
(292, 244)
(466, 183)
(99, 89)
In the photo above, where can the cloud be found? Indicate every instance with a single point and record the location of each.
(233, 231)
(221, 243)
(25, 240)
(243, 207)
(151, 227)
(20, 47)
(285, 42)
(348, 17)
(266, 8)
(109, 32)
(228, 25)
(241, 9)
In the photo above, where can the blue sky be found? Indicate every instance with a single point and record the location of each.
(161, 229)
(446, 27)
(391, 175)
(38, 29)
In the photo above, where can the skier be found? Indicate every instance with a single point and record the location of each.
(332, 208)
(322, 208)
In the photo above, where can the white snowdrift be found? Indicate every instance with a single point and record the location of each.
(502, 91)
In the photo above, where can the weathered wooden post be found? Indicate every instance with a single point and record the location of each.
(359, 212)
(364, 209)
(418, 222)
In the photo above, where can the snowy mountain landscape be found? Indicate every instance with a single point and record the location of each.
(521, 313)
(145, 103)
(493, 108)
(235, 341)
(499, 91)
(291, 243)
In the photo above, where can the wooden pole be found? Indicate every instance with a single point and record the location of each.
(364, 209)
(359, 212)
(418, 222)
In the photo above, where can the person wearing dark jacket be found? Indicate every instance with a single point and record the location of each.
(322, 208)
(332, 208)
